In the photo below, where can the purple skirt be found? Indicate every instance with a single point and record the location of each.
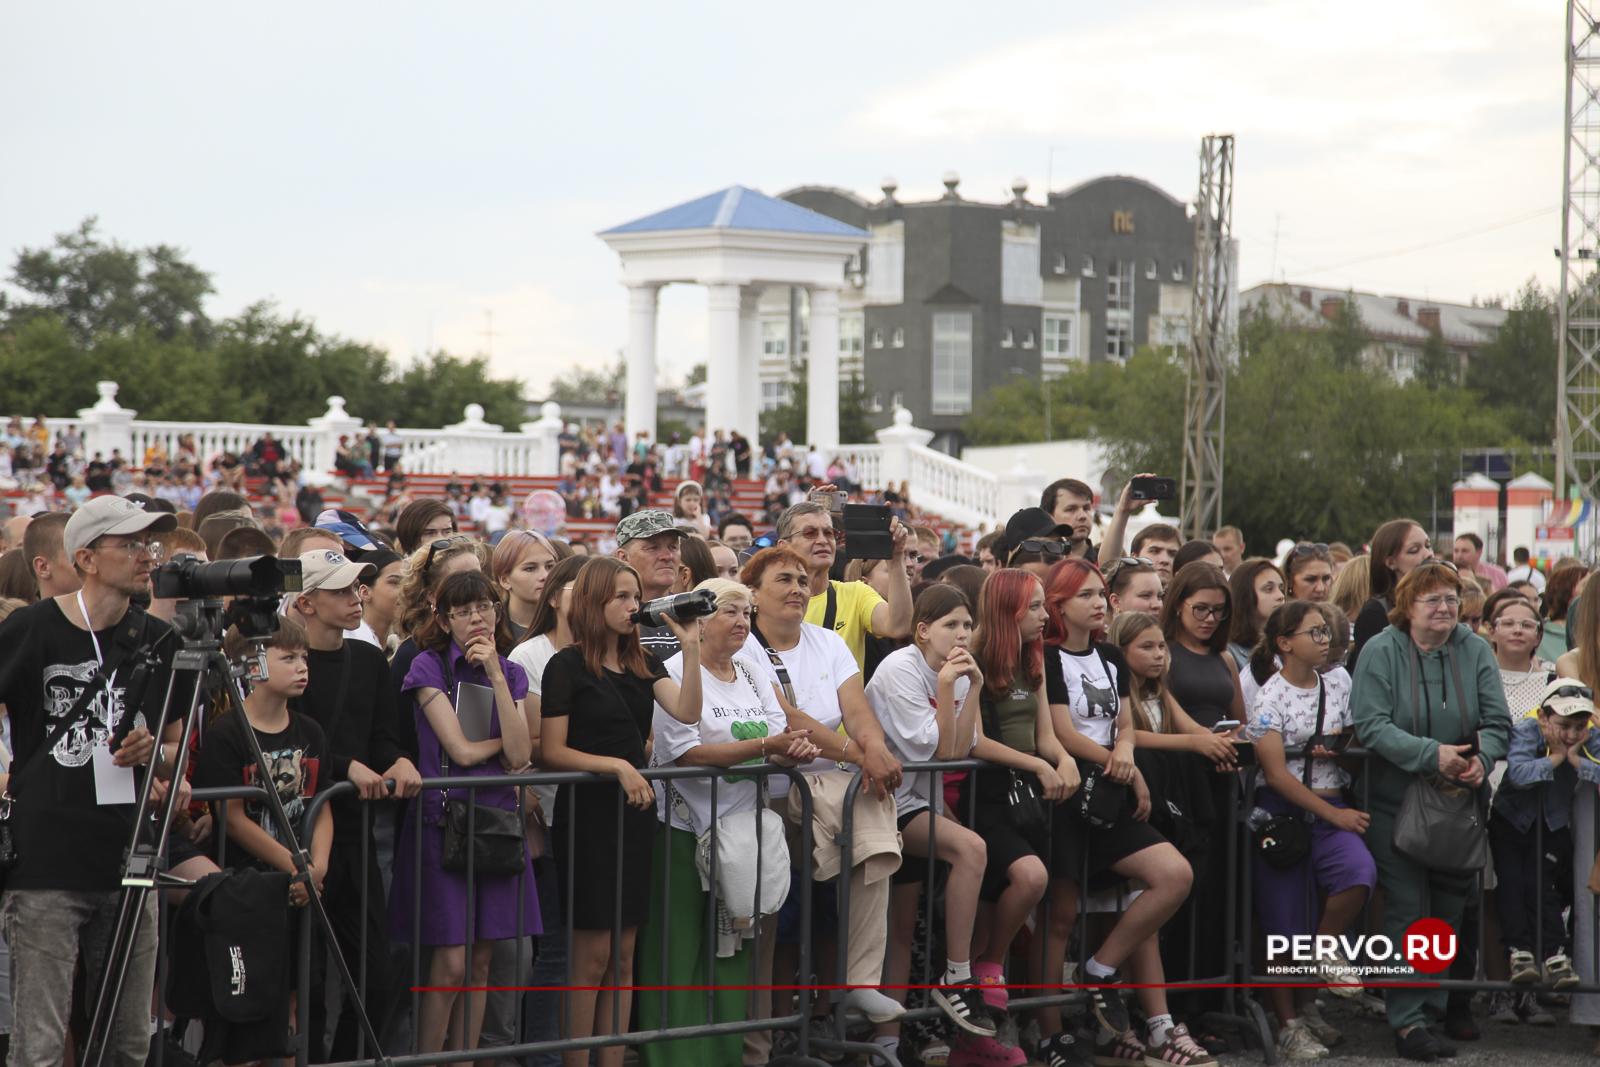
(444, 895)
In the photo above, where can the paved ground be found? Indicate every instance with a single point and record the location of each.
(1369, 1041)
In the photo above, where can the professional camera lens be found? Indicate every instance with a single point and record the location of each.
(186, 578)
(680, 607)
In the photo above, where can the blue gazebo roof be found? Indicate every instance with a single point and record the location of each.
(738, 208)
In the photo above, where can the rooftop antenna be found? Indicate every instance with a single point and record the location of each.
(489, 333)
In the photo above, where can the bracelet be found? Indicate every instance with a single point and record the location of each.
(845, 749)
(763, 748)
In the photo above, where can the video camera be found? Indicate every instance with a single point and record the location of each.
(255, 583)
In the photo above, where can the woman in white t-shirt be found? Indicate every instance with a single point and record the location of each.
(820, 689)
(1285, 716)
(920, 695)
(740, 723)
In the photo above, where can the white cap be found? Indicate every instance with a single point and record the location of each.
(112, 515)
(327, 569)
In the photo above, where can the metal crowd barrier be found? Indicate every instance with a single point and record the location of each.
(1242, 1012)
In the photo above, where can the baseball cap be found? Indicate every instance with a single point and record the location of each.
(646, 524)
(935, 568)
(324, 568)
(348, 527)
(1032, 522)
(1568, 696)
(112, 515)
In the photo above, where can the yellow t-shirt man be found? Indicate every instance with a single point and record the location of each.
(852, 620)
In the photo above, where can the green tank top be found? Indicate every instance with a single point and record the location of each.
(1014, 721)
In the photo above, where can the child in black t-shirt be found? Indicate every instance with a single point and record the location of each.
(295, 749)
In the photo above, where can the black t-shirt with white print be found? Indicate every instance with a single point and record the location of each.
(64, 838)
(1091, 683)
(295, 755)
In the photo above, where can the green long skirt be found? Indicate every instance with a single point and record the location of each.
(684, 925)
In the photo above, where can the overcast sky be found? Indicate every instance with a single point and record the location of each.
(395, 170)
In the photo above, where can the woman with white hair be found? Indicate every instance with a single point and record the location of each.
(742, 723)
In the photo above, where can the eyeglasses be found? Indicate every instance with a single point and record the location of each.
(135, 548)
(1053, 548)
(484, 608)
(1319, 634)
(811, 533)
(1570, 691)
(1306, 548)
(1209, 611)
(1439, 600)
(1527, 626)
(439, 546)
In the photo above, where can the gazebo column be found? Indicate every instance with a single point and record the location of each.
(640, 408)
(722, 356)
(822, 370)
(749, 420)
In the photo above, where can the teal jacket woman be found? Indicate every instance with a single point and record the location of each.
(1455, 671)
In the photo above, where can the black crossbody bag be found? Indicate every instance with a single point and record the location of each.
(1285, 840)
(1099, 800)
(498, 838)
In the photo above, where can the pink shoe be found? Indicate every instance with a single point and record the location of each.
(991, 979)
(984, 1052)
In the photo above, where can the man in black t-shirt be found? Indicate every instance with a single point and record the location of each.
(351, 698)
(63, 894)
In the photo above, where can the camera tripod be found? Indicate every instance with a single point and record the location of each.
(200, 622)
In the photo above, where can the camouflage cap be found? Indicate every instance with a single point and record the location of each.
(646, 524)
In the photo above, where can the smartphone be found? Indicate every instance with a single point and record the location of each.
(1244, 753)
(1154, 489)
(834, 499)
(1224, 726)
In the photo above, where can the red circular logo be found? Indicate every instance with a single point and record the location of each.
(1430, 945)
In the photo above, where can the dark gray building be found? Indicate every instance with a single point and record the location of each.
(950, 295)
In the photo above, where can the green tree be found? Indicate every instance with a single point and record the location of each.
(582, 385)
(1437, 368)
(855, 412)
(790, 416)
(1347, 334)
(1516, 372)
(697, 374)
(97, 287)
(287, 368)
(436, 390)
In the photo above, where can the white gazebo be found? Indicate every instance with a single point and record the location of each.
(736, 243)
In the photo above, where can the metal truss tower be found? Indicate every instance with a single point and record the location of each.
(1204, 404)
(1578, 337)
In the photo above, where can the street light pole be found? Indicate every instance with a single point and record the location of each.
(1044, 384)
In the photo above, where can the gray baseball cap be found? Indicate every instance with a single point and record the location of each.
(112, 515)
(646, 524)
(324, 568)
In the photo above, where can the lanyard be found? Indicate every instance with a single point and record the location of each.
(98, 658)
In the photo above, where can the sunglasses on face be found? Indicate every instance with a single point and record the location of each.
(1053, 548)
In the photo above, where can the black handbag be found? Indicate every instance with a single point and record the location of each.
(1098, 800)
(498, 836)
(1285, 840)
(1441, 823)
(1025, 806)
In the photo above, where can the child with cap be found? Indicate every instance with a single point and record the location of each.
(1553, 750)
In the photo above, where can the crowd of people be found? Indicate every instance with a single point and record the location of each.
(1117, 693)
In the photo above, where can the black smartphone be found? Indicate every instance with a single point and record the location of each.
(868, 531)
(1154, 489)
(1244, 753)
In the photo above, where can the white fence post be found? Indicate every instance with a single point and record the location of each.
(1020, 487)
(472, 452)
(336, 422)
(108, 426)
(898, 440)
(547, 431)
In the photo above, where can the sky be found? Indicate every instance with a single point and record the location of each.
(401, 172)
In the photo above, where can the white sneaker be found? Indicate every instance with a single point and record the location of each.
(1339, 975)
(874, 1005)
(1320, 1028)
(1297, 1042)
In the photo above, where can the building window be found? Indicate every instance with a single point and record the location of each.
(774, 395)
(1119, 309)
(876, 404)
(1402, 361)
(952, 363)
(877, 338)
(1057, 337)
(1177, 272)
(897, 400)
(775, 338)
(1088, 266)
(1061, 263)
(1150, 271)
(1007, 339)
(899, 337)
(850, 340)
(1027, 339)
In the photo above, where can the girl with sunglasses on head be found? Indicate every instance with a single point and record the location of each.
(1133, 584)
(1258, 589)
(1087, 681)
(1299, 705)
(1308, 571)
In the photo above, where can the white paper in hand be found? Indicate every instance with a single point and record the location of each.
(112, 784)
